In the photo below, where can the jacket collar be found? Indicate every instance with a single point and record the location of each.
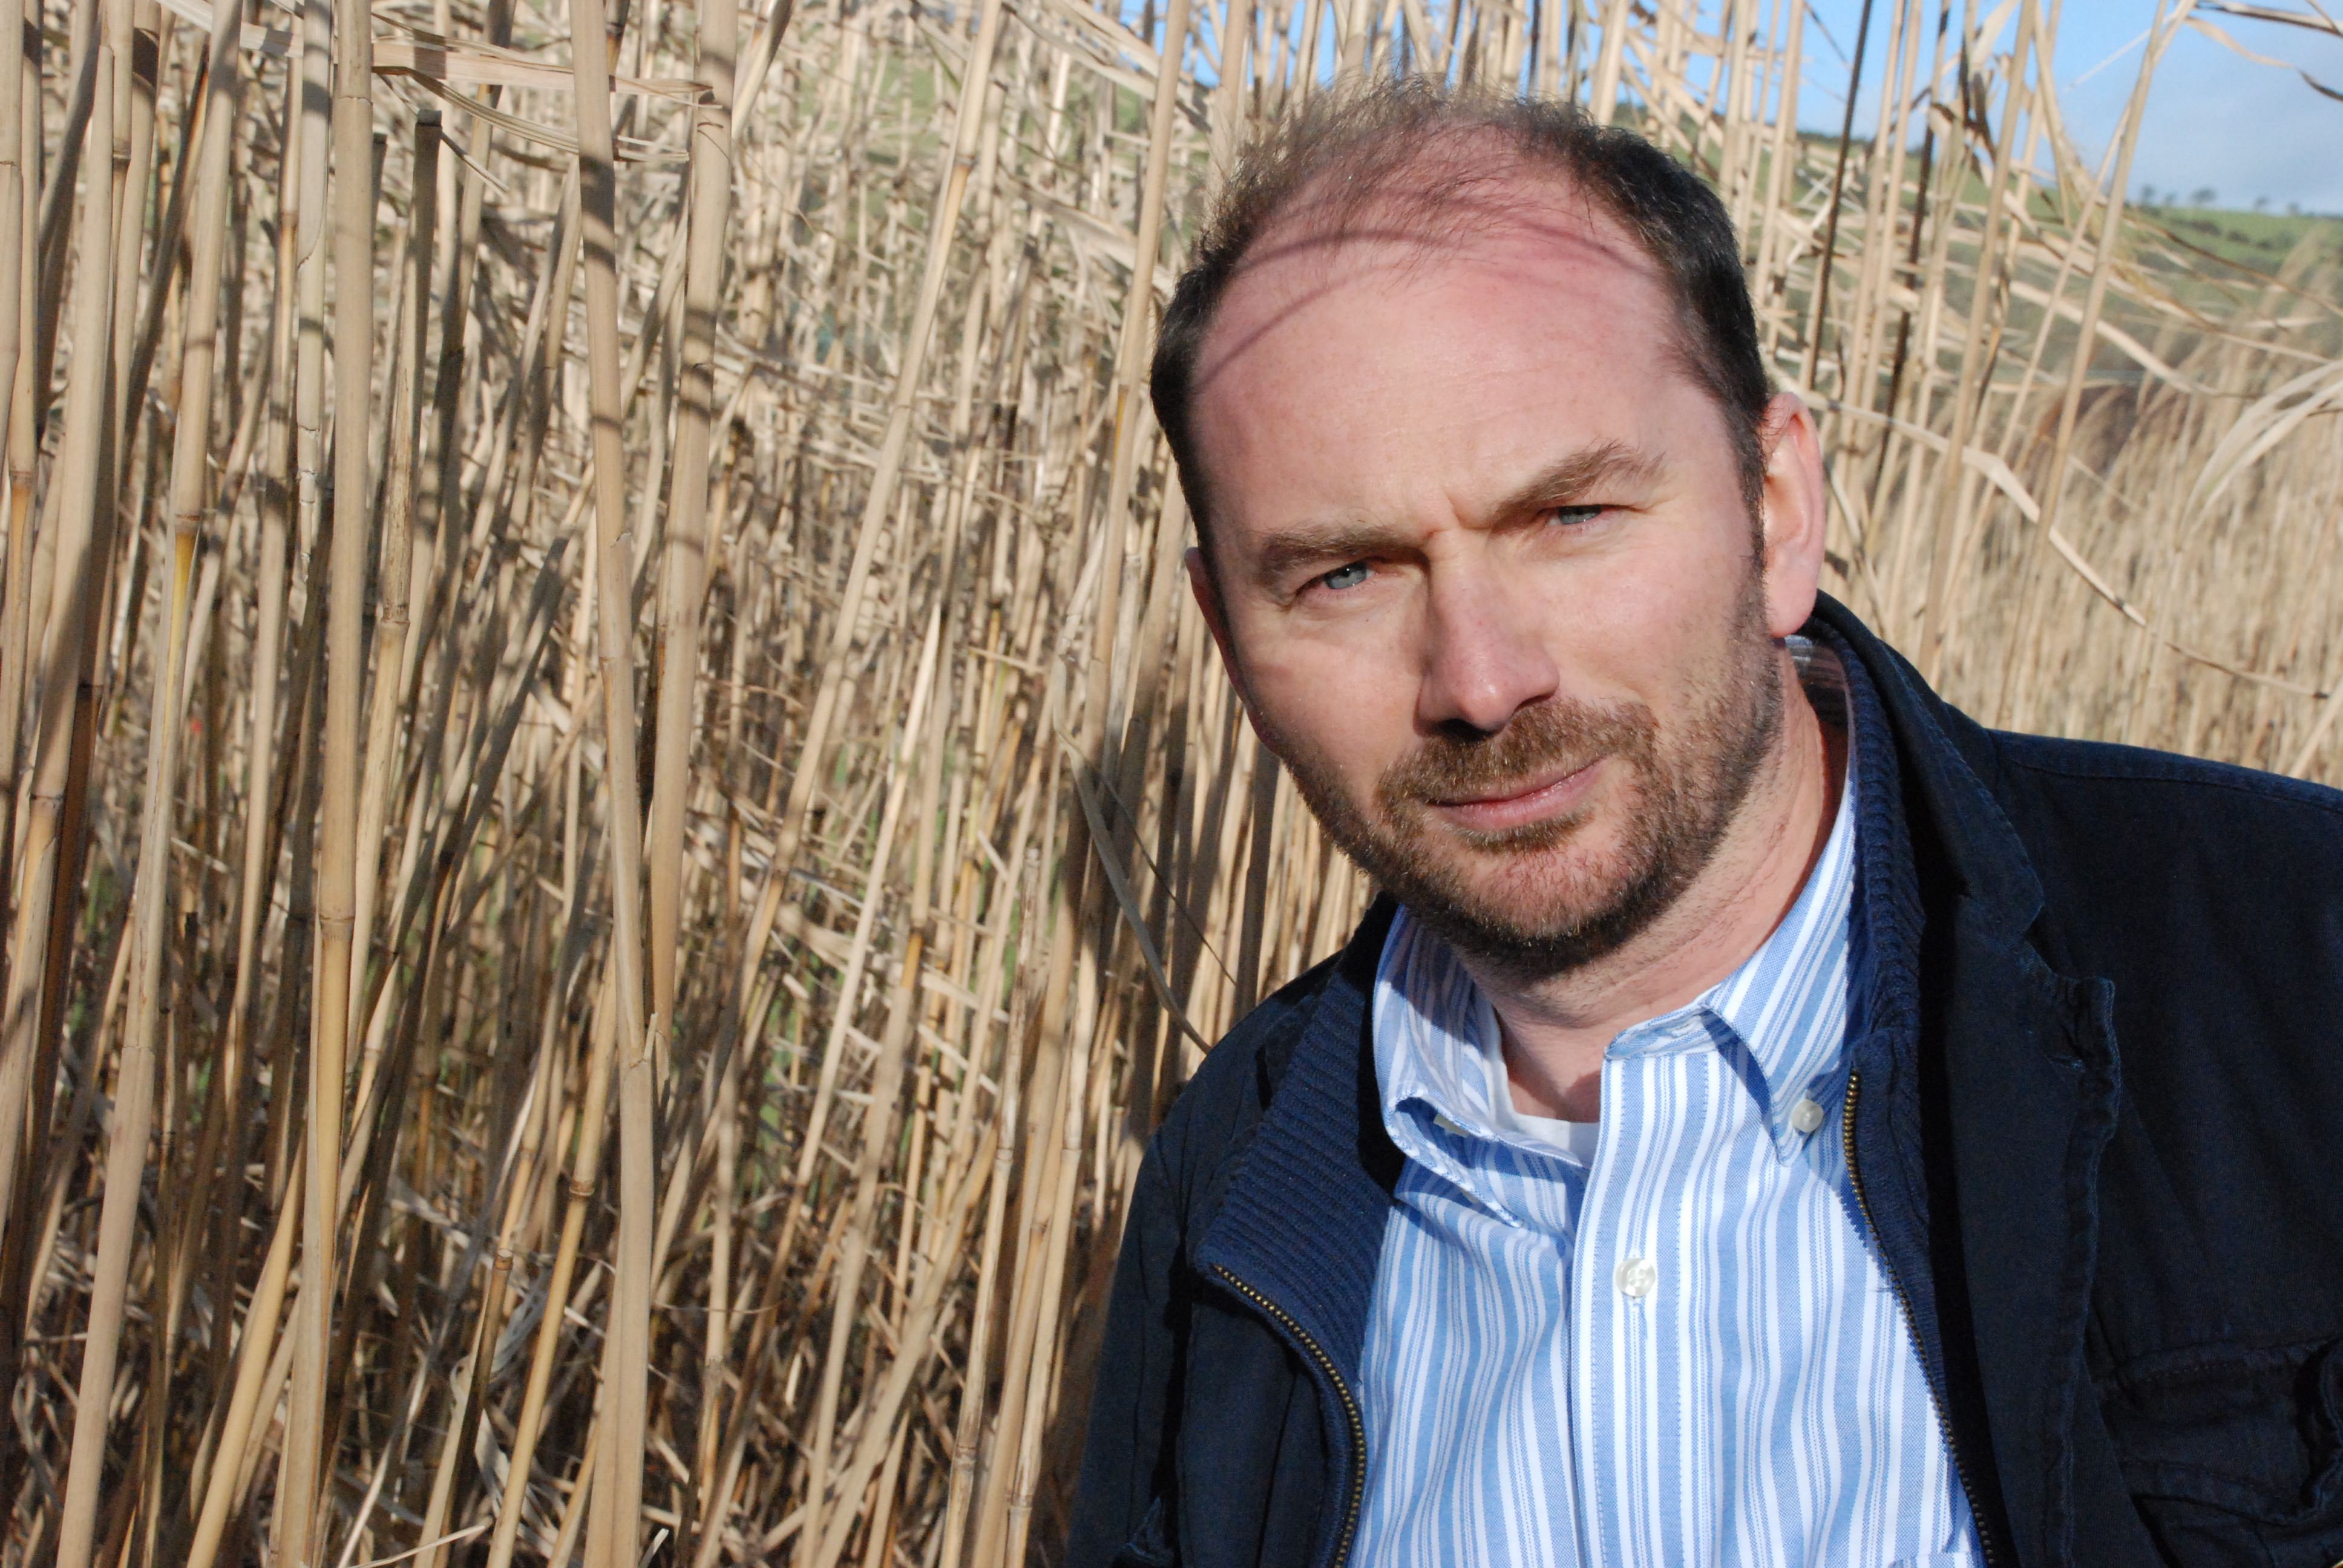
(1302, 1222)
(1989, 1092)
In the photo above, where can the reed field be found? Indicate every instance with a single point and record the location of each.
(619, 822)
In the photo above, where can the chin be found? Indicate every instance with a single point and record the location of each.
(1559, 893)
(1531, 913)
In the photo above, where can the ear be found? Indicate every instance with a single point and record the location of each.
(1794, 513)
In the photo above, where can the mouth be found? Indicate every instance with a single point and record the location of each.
(1517, 805)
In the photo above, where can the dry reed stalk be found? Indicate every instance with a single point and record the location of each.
(686, 567)
(297, 1480)
(17, 575)
(879, 1121)
(64, 634)
(409, 340)
(548, 1338)
(968, 1434)
(2109, 239)
(309, 1424)
(94, 299)
(615, 1524)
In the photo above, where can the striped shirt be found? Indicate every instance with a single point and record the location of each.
(1675, 1348)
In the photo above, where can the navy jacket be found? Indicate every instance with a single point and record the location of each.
(2097, 1126)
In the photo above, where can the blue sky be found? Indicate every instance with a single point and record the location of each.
(2215, 120)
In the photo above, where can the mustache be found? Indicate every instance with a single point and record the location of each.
(1549, 740)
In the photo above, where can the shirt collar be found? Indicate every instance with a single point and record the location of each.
(1434, 1034)
(1782, 1014)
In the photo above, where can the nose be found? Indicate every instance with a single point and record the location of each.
(1484, 659)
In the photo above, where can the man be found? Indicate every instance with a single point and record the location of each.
(1769, 1119)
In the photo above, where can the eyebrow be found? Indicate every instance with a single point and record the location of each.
(1565, 481)
(1309, 544)
(1568, 480)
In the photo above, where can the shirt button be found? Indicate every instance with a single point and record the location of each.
(1805, 1116)
(1636, 1277)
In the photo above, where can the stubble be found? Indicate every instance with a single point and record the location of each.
(1534, 902)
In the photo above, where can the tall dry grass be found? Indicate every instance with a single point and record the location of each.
(618, 821)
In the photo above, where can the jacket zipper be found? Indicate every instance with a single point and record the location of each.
(1911, 1319)
(1358, 1488)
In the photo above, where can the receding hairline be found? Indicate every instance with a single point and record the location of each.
(1431, 189)
(1426, 223)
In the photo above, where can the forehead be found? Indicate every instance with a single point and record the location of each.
(1522, 231)
(1530, 317)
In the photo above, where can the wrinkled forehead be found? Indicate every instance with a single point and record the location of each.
(1526, 235)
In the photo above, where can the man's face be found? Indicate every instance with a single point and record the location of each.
(1482, 566)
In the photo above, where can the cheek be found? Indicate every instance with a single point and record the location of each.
(1651, 627)
(1349, 710)
(1692, 582)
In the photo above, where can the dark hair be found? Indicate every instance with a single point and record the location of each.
(1414, 151)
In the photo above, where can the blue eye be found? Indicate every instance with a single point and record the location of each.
(1349, 577)
(1575, 513)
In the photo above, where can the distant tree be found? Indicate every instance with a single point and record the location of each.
(2147, 194)
(2204, 196)
(2261, 203)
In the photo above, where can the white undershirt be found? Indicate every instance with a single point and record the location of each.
(1574, 1138)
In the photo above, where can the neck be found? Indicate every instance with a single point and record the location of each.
(1556, 1028)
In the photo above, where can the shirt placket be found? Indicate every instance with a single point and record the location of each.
(1628, 1299)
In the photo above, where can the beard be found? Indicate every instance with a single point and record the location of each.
(1518, 900)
